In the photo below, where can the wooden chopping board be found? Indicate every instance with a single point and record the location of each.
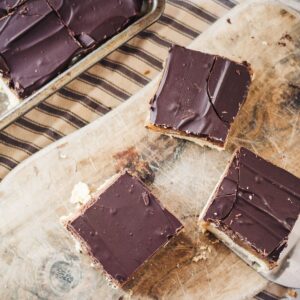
(37, 256)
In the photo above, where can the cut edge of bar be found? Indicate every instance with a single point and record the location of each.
(253, 260)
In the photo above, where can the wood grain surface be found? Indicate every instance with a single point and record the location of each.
(37, 256)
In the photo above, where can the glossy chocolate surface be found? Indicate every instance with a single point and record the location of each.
(7, 5)
(257, 203)
(26, 17)
(40, 38)
(124, 227)
(34, 46)
(200, 94)
(94, 21)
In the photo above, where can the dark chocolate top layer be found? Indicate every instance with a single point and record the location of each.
(13, 27)
(40, 38)
(94, 21)
(258, 203)
(7, 5)
(124, 227)
(34, 46)
(200, 94)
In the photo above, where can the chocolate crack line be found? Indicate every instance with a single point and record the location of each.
(228, 195)
(269, 213)
(61, 21)
(237, 188)
(208, 93)
(283, 223)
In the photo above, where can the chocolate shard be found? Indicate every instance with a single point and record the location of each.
(96, 19)
(256, 204)
(35, 46)
(199, 95)
(85, 40)
(123, 227)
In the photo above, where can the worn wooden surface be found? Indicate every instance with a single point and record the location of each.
(37, 256)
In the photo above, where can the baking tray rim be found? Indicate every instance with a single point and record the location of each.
(155, 10)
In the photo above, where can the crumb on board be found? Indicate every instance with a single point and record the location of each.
(65, 218)
(62, 156)
(216, 241)
(283, 44)
(80, 194)
(292, 293)
(285, 38)
(202, 253)
(78, 248)
(228, 21)
(212, 239)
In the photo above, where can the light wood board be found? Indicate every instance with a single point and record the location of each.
(37, 256)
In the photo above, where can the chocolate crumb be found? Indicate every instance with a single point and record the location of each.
(283, 39)
(286, 37)
(146, 199)
(283, 44)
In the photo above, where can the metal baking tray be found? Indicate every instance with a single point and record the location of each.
(11, 107)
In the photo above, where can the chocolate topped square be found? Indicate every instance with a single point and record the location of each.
(199, 96)
(34, 46)
(123, 227)
(94, 21)
(256, 206)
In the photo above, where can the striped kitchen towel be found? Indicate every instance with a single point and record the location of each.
(110, 82)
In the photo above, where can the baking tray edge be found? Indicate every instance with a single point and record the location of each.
(155, 11)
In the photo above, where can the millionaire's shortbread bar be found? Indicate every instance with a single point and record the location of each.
(199, 97)
(122, 227)
(254, 209)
